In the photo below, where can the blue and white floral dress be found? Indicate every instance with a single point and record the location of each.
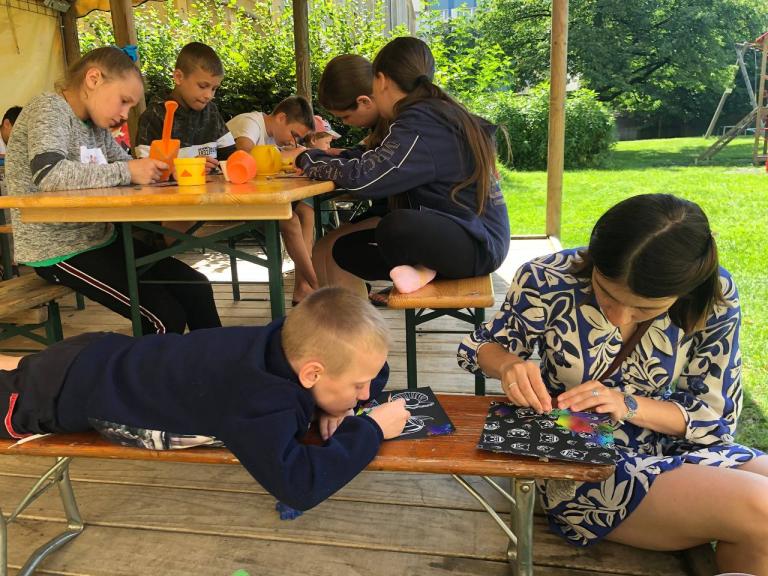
(549, 310)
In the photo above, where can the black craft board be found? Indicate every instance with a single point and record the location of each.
(427, 415)
(558, 435)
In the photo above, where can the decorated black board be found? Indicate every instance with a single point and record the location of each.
(427, 416)
(558, 435)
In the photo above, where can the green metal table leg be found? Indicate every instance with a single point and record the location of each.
(79, 301)
(317, 205)
(410, 349)
(233, 267)
(5, 246)
(53, 330)
(520, 554)
(275, 268)
(133, 280)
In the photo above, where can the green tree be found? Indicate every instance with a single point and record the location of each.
(648, 57)
(256, 46)
(469, 63)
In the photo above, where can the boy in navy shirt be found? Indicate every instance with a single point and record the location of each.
(254, 389)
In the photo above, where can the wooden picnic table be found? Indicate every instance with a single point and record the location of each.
(256, 205)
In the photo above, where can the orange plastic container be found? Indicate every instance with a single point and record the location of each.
(241, 167)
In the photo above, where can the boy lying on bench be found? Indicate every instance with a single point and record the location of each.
(254, 389)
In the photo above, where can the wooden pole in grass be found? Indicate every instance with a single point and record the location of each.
(761, 111)
(556, 143)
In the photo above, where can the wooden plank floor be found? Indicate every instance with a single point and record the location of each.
(169, 519)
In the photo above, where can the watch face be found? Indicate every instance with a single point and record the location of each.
(630, 402)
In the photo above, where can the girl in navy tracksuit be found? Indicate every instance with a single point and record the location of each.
(439, 160)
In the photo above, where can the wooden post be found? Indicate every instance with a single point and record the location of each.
(125, 33)
(761, 117)
(556, 143)
(301, 44)
(69, 36)
(720, 105)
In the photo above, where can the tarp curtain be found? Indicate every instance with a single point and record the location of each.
(31, 54)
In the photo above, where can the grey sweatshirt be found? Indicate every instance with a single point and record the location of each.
(52, 149)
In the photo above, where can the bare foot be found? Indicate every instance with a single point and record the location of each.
(301, 291)
(9, 362)
(381, 297)
(411, 278)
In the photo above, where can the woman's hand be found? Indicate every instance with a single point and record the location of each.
(595, 396)
(521, 382)
(146, 170)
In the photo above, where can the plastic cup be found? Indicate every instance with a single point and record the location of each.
(241, 167)
(223, 166)
(268, 159)
(190, 171)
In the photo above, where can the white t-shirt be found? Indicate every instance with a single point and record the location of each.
(250, 125)
(2, 146)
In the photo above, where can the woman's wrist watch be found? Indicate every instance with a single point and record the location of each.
(631, 404)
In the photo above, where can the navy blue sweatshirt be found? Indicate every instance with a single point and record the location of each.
(231, 383)
(425, 156)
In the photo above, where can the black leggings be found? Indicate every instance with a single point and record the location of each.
(101, 276)
(412, 237)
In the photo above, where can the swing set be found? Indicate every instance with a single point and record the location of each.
(759, 113)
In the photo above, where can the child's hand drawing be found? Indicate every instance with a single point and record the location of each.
(146, 170)
(391, 417)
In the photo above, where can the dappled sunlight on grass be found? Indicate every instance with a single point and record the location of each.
(732, 193)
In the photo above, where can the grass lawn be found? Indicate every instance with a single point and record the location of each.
(734, 196)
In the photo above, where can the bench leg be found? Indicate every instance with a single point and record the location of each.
(410, 349)
(520, 555)
(479, 317)
(519, 531)
(58, 474)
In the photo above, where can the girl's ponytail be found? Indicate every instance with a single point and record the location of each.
(410, 64)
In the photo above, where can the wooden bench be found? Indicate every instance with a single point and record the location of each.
(465, 299)
(455, 455)
(28, 303)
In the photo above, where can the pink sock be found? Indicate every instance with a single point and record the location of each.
(411, 278)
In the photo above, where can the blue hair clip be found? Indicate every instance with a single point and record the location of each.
(132, 51)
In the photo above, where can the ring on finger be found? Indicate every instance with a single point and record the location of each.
(595, 393)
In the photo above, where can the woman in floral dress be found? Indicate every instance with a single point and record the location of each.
(651, 270)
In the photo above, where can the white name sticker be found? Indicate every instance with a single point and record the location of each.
(92, 156)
